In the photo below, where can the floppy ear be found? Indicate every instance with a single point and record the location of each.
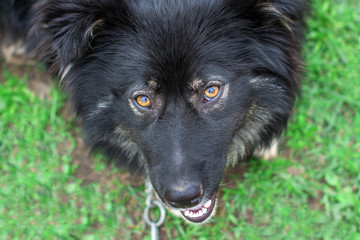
(292, 9)
(285, 13)
(66, 28)
(277, 26)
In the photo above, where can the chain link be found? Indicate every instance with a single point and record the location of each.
(154, 225)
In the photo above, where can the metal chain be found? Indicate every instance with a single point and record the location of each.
(154, 225)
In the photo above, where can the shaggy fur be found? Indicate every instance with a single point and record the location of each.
(109, 52)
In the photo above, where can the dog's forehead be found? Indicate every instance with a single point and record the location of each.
(192, 84)
(161, 5)
(174, 47)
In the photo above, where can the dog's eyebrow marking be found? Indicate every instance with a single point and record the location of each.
(196, 83)
(153, 84)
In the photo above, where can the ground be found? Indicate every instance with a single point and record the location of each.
(52, 188)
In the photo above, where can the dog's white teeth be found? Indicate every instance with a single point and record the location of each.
(204, 210)
(198, 213)
(207, 204)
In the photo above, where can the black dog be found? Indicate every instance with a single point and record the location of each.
(178, 88)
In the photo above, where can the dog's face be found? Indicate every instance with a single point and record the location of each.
(181, 87)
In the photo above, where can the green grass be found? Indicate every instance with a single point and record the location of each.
(311, 194)
(39, 198)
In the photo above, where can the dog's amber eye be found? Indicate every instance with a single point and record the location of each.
(143, 101)
(211, 92)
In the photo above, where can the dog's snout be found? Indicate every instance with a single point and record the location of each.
(184, 197)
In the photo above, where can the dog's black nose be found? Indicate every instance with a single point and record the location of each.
(184, 197)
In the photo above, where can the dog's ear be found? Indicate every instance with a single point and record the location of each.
(66, 28)
(268, 12)
(277, 25)
(292, 9)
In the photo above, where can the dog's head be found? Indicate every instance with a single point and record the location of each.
(184, 87)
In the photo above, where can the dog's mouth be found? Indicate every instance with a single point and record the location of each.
(200, 213)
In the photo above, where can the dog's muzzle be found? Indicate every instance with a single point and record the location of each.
(189, 202)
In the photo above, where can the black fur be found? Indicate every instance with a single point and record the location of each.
(107, 51)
